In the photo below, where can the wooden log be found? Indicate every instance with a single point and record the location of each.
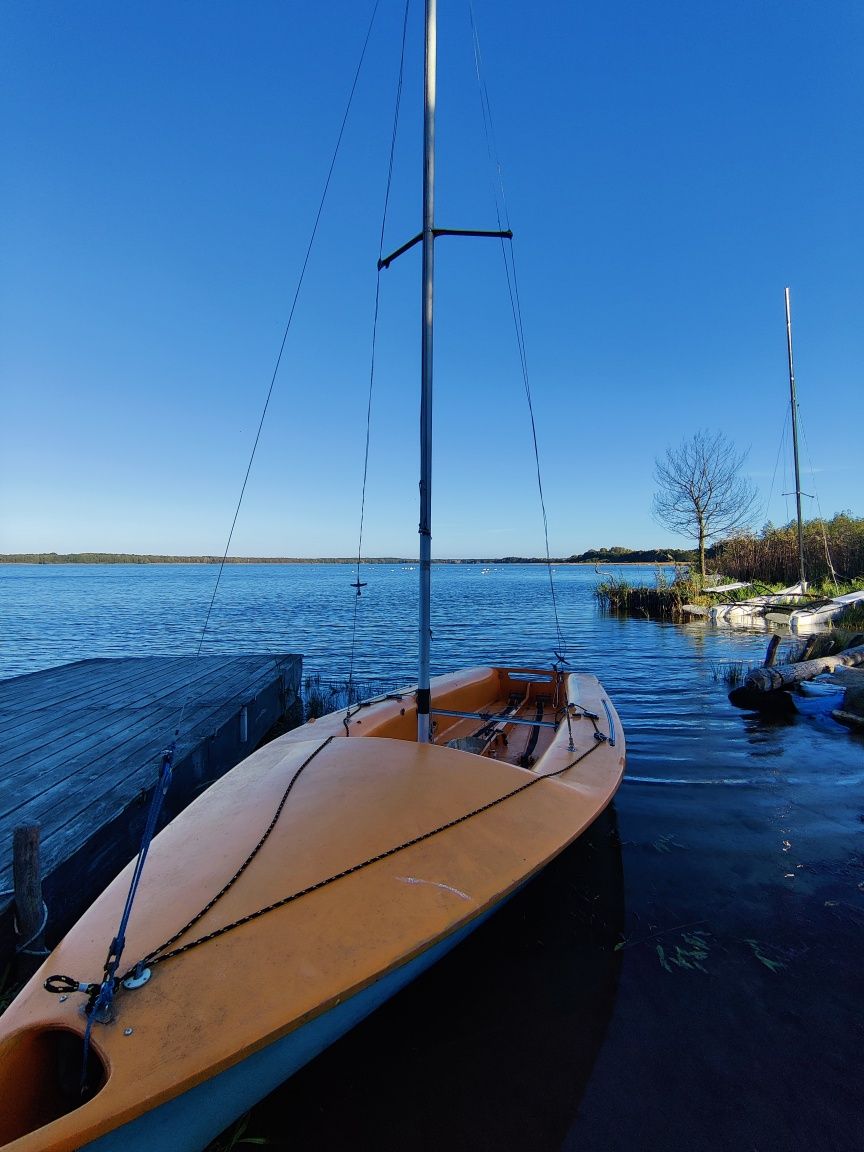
(786, 675)
(771, 654)
(850, 719)
(30, 911)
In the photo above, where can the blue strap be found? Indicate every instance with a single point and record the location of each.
(102, 995)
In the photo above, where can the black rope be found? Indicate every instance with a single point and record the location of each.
(358, 583)
(152, 957)
(158, 957)
(508, 246)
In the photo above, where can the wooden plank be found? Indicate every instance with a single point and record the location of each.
(85, 777)
(76, 730)
(80, 740)
(104, 684)
(96, 683)
(57, 685)
(146, 770)
(139, 732)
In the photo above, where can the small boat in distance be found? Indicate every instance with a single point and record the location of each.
(307, 886)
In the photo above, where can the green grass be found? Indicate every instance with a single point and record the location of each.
(852, 620)
(666, 599)
(662, 602)
(730, 672)
(320, 697)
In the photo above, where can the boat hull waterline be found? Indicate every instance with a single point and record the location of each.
(398, 851)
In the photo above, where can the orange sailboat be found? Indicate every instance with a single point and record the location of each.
(306, 887)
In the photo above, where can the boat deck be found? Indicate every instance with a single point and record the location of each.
(513, 730)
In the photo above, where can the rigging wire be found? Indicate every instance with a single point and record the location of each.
(100, 1004)
(781, 445)
(833, 572)
(508, 252)
(357, 584)
(786, 480)
(278, 362)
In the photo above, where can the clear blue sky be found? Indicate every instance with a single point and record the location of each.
(669, 168)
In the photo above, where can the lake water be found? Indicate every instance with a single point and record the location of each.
(686, 977)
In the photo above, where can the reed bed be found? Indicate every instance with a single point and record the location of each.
(322, 696)
(830, 547)
(852, 620)
(730, 672)
(664, 601)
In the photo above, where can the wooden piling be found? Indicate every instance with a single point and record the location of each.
(809, 646)
(771, 654)
(30, 911)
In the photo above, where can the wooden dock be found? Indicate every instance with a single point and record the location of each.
(80, 752)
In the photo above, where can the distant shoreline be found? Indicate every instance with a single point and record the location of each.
(93, 558)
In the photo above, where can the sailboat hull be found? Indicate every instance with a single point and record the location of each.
(820, 617)
(189, 1122)
(382, 854)
(751, 613)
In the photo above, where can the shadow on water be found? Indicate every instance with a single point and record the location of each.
(490, 1049)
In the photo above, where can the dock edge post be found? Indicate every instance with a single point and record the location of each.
(31, 914)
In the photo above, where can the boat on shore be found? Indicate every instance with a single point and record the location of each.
(754, 610)
(307, 886)
(821, 614)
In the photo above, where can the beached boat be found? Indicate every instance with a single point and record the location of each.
(815, 617)
(752, 611)
(305, 888)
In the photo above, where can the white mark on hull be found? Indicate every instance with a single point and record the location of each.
(435, 884)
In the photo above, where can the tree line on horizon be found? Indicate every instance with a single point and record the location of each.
(770, 555)
(618, 555)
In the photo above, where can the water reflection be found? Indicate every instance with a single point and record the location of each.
(493, 1048)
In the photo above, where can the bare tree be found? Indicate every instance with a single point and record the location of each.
(702, 493)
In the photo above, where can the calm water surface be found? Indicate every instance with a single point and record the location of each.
(686, 977)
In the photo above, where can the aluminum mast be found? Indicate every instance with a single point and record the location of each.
(423, 724)
(794, 402)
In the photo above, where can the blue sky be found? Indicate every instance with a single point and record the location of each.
(669, 168)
